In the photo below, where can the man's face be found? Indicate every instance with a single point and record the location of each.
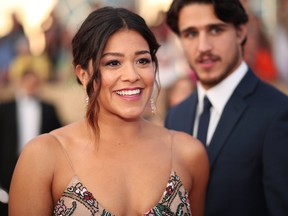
(212, 47)
(30, 83)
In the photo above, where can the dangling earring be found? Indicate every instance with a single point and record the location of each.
(87, 100)
(87, 97)
(152, 105)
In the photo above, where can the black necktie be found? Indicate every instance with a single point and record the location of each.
(204, 121)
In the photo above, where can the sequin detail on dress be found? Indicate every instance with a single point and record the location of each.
(174, 200)
(77, 200)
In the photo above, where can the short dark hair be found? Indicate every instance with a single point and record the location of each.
(89, 43)
(229, 11)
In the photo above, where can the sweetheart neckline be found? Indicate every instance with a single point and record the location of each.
(76, 180)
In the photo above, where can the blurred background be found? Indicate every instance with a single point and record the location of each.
(40, 32)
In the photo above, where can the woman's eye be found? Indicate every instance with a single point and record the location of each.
(144, 61)
(112, 63)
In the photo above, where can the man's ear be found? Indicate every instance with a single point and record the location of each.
(82, 75)
(241, 32)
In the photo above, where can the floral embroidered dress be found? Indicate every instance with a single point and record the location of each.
(77, 200)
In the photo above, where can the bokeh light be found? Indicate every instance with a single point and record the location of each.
(31, 14)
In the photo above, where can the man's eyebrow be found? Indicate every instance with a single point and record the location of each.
(222, 25)
(212, 25)
(189, 29)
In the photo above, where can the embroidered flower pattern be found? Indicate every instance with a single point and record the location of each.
(173, 202)
(62, 210)
(174, 190)
(82, 193)
(78, 193)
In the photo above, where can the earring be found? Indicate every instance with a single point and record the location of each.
(87, 100)
(152, 105)
(87, 97)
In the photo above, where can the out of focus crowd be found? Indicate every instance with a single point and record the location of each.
(39, 91)
(266, 55)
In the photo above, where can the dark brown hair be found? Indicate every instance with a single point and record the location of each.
(90, 41)
(229, 11)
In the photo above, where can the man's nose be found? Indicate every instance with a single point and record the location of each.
(204, 43)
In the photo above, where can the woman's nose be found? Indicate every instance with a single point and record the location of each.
(130, 73)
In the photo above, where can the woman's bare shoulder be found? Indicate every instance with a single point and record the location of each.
(42, 143)
(35, 171)
(190, 158)
(185, 139)
(45, 146)
(187, 146)
(39, 150)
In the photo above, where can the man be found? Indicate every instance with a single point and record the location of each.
(247, 135)
(22, 118)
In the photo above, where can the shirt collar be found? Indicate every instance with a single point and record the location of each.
(220, 94)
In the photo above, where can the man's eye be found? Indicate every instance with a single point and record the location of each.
(189, 34)
(112, 63)
(216, 30)
(144, 61)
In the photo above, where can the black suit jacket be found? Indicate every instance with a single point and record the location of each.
(248, 152)
(9, 139)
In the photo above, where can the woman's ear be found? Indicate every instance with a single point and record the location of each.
(82, 75)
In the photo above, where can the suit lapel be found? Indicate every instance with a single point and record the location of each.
(233, 111)
(188, 126)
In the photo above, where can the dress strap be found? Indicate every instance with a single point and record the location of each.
(64, 151)
(171, 147)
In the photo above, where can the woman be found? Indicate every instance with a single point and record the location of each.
(113, 162)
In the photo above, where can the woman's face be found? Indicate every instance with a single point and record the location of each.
(127, 73)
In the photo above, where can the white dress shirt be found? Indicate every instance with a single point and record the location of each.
(218, 96)
(29, 119)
